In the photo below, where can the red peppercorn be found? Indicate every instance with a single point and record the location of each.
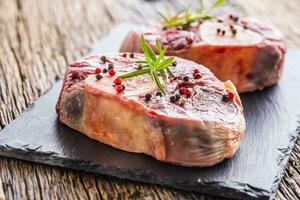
(118, 81)
(189, 40)
(119, 88)
(188, 93)
(97, 70)
(197, 75)
(111, 72)
(182, 90)
(196, 71)
(124, 55)
(231, 96)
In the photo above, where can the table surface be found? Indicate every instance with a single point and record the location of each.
(38, 38)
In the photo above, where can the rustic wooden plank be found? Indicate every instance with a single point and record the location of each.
(2, 197)
(39, 37)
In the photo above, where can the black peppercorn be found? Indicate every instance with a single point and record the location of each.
(148, 96)
(103, 59)
(139, 67)
(99, 77)
(131, 55)
(233, 31)
(177, 96)
(104, 70)
(158, 94)
(218, 31)
(174, 63)
(172, 99)
(110, 67)
(225, 98)
(186, 78)
(223, 32)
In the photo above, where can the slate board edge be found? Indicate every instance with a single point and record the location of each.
(283, 162)
(23, 152)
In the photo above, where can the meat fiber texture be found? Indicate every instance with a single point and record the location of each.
(248, 53)
(200, 130)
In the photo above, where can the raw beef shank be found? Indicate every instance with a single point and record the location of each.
(248, 53)
(199, 122)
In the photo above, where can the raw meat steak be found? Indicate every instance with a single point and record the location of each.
(199, 122)
(248, 53)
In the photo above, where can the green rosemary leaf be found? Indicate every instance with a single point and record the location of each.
(149, 53)
(141, 61)
(163, 74)
(158, 46)
(170, 72)
(218, 3)
(166, 63)
(135, 73)
(157, 81)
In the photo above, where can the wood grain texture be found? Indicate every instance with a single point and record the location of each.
(2, 197)
(38, 38)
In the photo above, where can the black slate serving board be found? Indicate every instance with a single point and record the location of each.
(254, 172)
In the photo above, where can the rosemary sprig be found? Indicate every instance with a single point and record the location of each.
(185, 17)
(153, 65)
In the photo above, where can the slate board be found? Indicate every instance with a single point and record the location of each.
(254, 172)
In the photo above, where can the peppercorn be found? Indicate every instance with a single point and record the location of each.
(99, 77)
(124, 55)
(218, 31)
(118, 81)
(104, 70)
(131, 55)
(148, 96)
(234, 32)
(97, 70)
(103, 59)
(186, 78)
(174, 63)
(139, 67)
(159, 94)
(231, 96)
(110, 67)
(172, 99)
(223, 32)
(177, 97)
(188, 93)
(197, 75)
(219, 20)
(225, 98)
(182, 90)
(189, 40)
(120, 88)
(111, 72)
(196, 71)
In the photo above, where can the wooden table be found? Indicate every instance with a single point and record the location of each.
(38, 38)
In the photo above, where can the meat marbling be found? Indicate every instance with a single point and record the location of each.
(200, 130)
(248, 53)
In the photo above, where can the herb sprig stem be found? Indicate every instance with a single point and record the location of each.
(185, 17)
(153, 65)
